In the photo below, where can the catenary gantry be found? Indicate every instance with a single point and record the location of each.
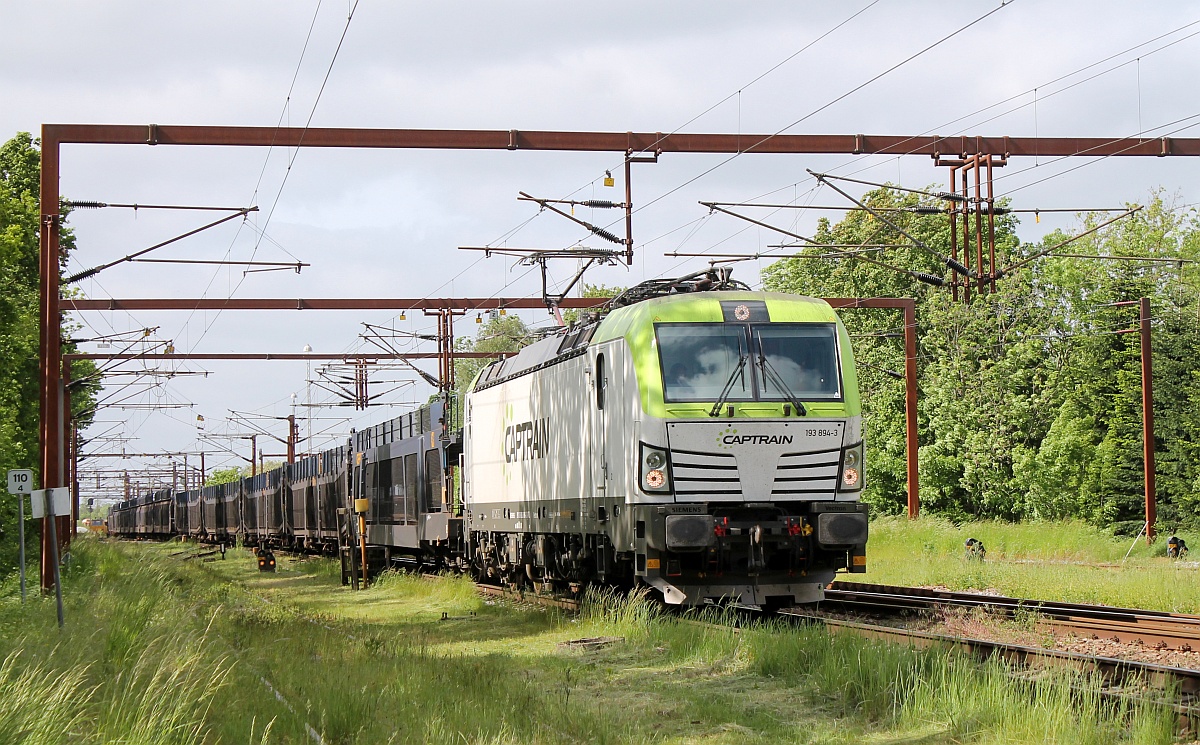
(53, 393)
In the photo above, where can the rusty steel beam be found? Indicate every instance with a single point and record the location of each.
(49, 345)
(512, 139)
(309, 356)
(909, 306)
(480, 303)
(1147, 418)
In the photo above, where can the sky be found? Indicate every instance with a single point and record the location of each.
(389, 223)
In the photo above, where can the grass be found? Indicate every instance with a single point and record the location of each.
(131, 666)
(161, 650)
(1065, 561)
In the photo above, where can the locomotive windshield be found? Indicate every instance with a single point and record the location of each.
(757, 362)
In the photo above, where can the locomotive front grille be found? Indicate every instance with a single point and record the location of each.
(702, 474)
(699, 474)
(807, 473)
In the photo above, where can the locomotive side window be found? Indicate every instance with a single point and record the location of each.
(601, 381)
(433, 479)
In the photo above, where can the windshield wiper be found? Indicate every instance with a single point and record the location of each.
(768, 370)
(738, 371)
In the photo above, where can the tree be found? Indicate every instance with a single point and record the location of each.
(572, 315)
(223, 476)
(878, 335)
(499, 334)
(229, 475)
(19, 292)
(1091, 460)
(1030, 396)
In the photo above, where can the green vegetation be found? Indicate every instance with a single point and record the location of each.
(133, 665)
(159, 649)
(506, 333)
(19, 386)
(229, 475)
(1030, 405)
(1069, 561)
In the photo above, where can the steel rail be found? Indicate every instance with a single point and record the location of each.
(1152, 629)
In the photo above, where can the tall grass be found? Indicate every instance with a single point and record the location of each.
(886, 690)
(131, 666)
(37, 703)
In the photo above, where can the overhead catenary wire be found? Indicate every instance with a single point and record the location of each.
(1040, 86)
(735, 93)
(291, 161)
(828, 104)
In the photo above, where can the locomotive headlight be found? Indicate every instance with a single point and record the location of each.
(852, 463)
(655, 475)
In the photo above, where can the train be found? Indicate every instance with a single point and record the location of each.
(698, 439)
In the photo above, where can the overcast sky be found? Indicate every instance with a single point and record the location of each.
(388, 223)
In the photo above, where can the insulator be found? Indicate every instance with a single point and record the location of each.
(603, 204)
(950, 197)
(1001, 210)
(81, 275)
(929, 279)
(927, 210)
(85, 205)
(958, 267)
(607, 235)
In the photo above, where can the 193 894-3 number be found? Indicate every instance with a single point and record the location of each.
(821, 433)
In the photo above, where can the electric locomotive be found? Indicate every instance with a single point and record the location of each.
(705, 443)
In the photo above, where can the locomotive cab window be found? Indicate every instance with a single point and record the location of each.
(748, 362)
(800, 358)
(700, 359)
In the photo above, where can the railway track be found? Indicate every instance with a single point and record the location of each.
(550, 601)
(1152, 629)
(1176, 687)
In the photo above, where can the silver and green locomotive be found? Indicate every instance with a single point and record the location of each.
(704, 443)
